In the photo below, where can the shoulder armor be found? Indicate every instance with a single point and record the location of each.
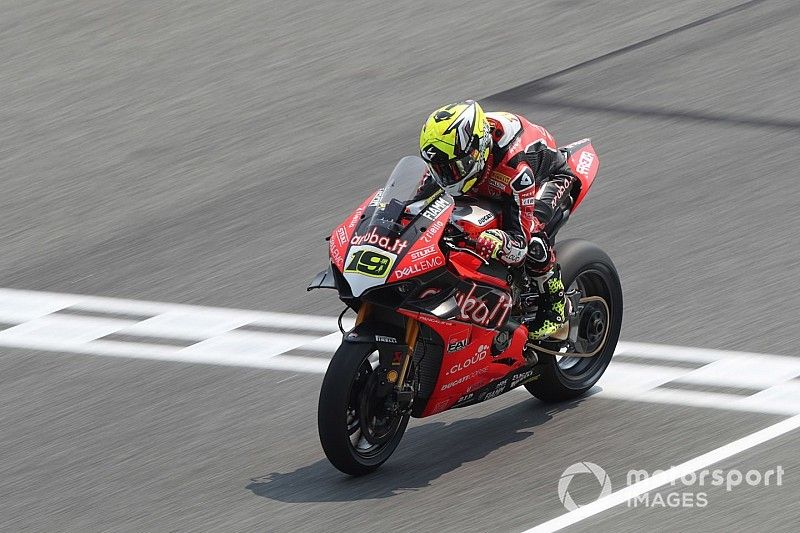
(508, 124)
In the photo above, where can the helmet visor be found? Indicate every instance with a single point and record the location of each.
(452, 172)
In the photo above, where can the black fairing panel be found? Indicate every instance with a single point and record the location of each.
(324, 280)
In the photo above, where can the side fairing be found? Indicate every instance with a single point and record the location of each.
(424, 233)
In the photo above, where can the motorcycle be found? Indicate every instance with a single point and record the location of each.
(439, 327)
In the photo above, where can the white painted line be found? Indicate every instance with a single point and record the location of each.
(630, 379)
(784, 396)
(746, 371)
(249, 343)
(154, 352)
(219, 342)
(328, 343)
(63, 329)
(781, 404)
(672, 353)
(17, 306)
(659, 480)
(188, 324)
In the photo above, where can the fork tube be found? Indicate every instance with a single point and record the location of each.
(412, 331)
(363, 311)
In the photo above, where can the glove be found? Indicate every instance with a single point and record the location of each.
(491, 243)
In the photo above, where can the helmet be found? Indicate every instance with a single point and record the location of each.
(455, 143)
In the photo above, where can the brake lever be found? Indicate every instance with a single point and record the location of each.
(452, 246)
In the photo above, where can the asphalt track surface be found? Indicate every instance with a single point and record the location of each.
(198, 152)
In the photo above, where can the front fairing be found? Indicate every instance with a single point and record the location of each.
(393, 236)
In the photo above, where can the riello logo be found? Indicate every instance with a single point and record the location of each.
(394, 246)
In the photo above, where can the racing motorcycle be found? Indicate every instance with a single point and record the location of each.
(438, 326)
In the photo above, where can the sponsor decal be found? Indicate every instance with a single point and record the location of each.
(584, 163)
(463, 379)
(458, 341)
(522, 378)
(479, 356)
(431, 232)
(467, 397)
(421, 266)
(496, 185)
(499, 389)
(341, 235)
(485, 218)
(432, 320)
(394, 246)
(499, 177)
(429, 292)
(354, 220)
(529, 201)
(377, 199)
(356, 217)
(476, 310)
(383, 338)
(336, 255)
(369, 263)
(436, 208)
(423, 252)
(454, 346)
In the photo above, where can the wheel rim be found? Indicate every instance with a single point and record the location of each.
(370, 427)
(592, 328)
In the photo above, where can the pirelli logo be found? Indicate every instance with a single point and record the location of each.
(502, 178)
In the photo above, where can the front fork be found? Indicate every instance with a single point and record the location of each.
(397, 363)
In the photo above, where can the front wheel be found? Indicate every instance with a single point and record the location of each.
(588, 269)
(359, 428)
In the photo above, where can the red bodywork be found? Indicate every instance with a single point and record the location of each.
(470, 366)
(584, 163)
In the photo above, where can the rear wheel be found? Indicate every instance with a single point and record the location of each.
(588, 269)
(359, 427)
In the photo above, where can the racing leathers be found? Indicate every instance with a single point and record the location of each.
(531, 179)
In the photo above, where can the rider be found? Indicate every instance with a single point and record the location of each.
(504, 157)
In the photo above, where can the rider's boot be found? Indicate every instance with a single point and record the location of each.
(550, 315)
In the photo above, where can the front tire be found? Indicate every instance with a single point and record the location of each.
(588, 268)
(356, 431)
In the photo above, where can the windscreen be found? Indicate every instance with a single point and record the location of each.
(400, 190)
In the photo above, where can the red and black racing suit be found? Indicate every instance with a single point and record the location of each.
(530, 177)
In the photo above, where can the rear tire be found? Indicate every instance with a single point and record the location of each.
(347, 412)
(586, 266)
